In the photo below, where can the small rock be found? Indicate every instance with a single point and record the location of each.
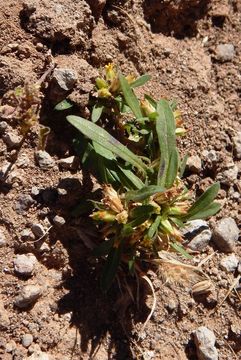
(26, 235)
(69, 163)
(4, 319)
(225, 234)
(225, 52)
(229, 175)
(38, 230)
(58, 220)
(35, 191)
(172, 305)
(34, 348)
(23, 204)
(27, 340)
(24, 264)
(10, 346)
(204, 340)
(44, 160)
(200, 241)
(229, 263)
(194, 227)
(12, 140)
(39, 355)
(28, 295)
(237, 145)
(3, 240)
(65, 79)
(194, 164)
(3, 127)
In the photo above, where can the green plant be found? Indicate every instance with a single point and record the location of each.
(145, 202)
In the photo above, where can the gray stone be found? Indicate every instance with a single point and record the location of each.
(28, 295)
(204, 340)
(35, 191)
(194, 164)
(44, 160)
(65, 79)
(237, 144)
(58, 220)
(3, 240)
(38, 230)
(200, 241)
(4, 319)
(39, 355)
(229, 175)
(229, 263)
(24, 264)
(3, 127)
(10, 346)
(69, 163)
(194, 227)
(27, 340)
(26, 235)
(225, 234)
(225, 52)
(23, 204)
(12, 140)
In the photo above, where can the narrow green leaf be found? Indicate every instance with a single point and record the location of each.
(140, 81)
(142, 194)
(143, 209)
(205, 213)
(110, 268)
(100, 150)
(133, 180)
(172, 168)
(63, 105)
(130, 97)
(103, 249)
(154, 227)
(183, 166)
(165, 128)
(181, 250)
(204, 201)
(96, 112)
(103, 138)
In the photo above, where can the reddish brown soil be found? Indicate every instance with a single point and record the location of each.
(175, 42)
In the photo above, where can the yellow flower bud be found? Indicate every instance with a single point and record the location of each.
(103, 215)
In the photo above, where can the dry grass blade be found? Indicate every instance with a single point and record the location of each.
(146, 278)
(232, 286)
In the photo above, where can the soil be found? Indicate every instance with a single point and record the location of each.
(176, 43)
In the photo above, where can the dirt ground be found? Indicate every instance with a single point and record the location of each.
(176, 42)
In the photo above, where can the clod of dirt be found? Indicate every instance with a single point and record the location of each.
(229, 174)
(225, 234)
(4, 319)
(237, 144)
(3, 240)
(12, 140)
(205, 343)
(225, 52)
(28, 295)
(24, 202)
(24, 264)
(64, 24)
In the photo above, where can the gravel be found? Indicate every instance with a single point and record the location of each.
(229, 263)
(225, 234)
(64, 79)
(205, 344)
(44, 160)
(225, 52)
(28, 295)
(24, 264)
(27, 340)
(200, 241)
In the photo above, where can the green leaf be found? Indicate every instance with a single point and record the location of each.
(204, 201)
(181, 250)
(130, 97)
(96, 112)
(100, 150)
(165, 128)
(151, 100)
(110, 268)
(103, 138)
(103, 249)
(129, 178)
(172, 168)
(183, 166)
(142, 194)
(148, 210)
(63, 105)
(140, 81)
(205, 213)
(154, 227)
